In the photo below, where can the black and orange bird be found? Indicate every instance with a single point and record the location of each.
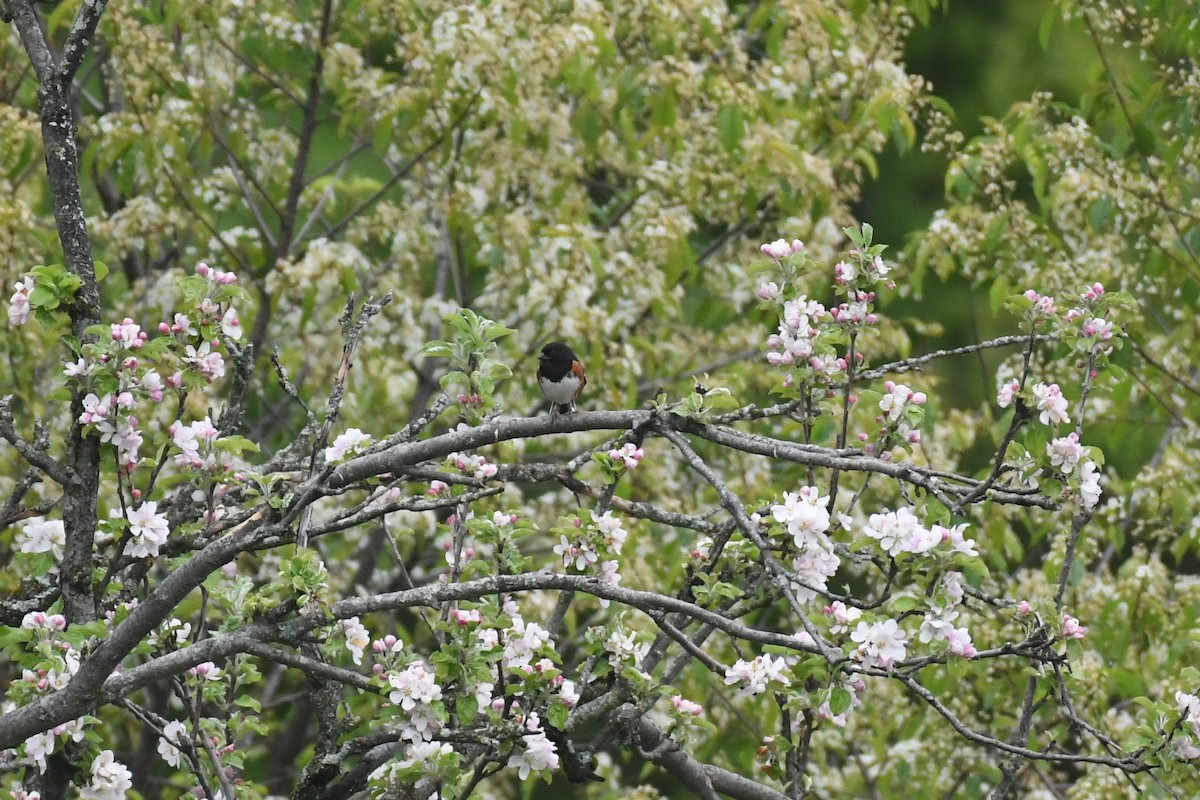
(561, 377)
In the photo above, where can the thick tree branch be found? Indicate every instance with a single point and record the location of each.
(62, 170)
(411, 453)
(80, 38)
(703, 779)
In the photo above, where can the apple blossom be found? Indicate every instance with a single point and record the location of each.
(18, 305)
(1050, 402)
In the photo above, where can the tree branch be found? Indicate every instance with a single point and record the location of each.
(80, 38)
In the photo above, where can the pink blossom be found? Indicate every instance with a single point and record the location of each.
(813, 568)
(755, 675)
(780, 248)
(1098, 327)
(464, 617)
(805, 516)
(685, 706)
(95, 408)
(568, 693)
(18, 305)
(880, 644)
(954, 535)
(1051, 403)
(152, 383)
(1072, 628)
(148, 529)
(629, 454)
(1089, 484)
(1007, 393)
(1043, 304)
(231, 326)
(842, 615)
(357, 638)
(894, 530)
(349, 443)
(209, 364)
(539, 752)
(959, 640)
(769, 290)
(1065, 452)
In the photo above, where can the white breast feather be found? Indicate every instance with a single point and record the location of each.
(562, 392)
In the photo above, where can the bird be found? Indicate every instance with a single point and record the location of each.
(561, 377)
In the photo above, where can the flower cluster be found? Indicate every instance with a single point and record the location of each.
(584, 547)
(799, 327)
(173, 736)
(538, 753)
(686, 707)
(856, 312)
(880, 644)
(1050, 404)
(626, 647)
(110, 779)
(901, 412)
(755, 676)
(805, 516)
(938, 625)
(781, 248)
(416, 691)
(39, 535)
(195, 443)
(148, 530)
(628, 454)
(900, 531)
(352, 442)
(124, 371)
(472, 464)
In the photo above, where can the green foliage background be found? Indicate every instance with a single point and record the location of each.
(610, 188)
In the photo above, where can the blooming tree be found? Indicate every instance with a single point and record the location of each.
(787, 572)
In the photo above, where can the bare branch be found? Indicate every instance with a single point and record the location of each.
(80, 38)
(36, 456)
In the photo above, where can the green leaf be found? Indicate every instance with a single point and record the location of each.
(556, 713)
(839, 700)
(588, 125)
(437, 350)
(730, 127)
(662, 108)
(1047, 24)
(43, 297)
(235, 444)
(466, 707)
(246, 701)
